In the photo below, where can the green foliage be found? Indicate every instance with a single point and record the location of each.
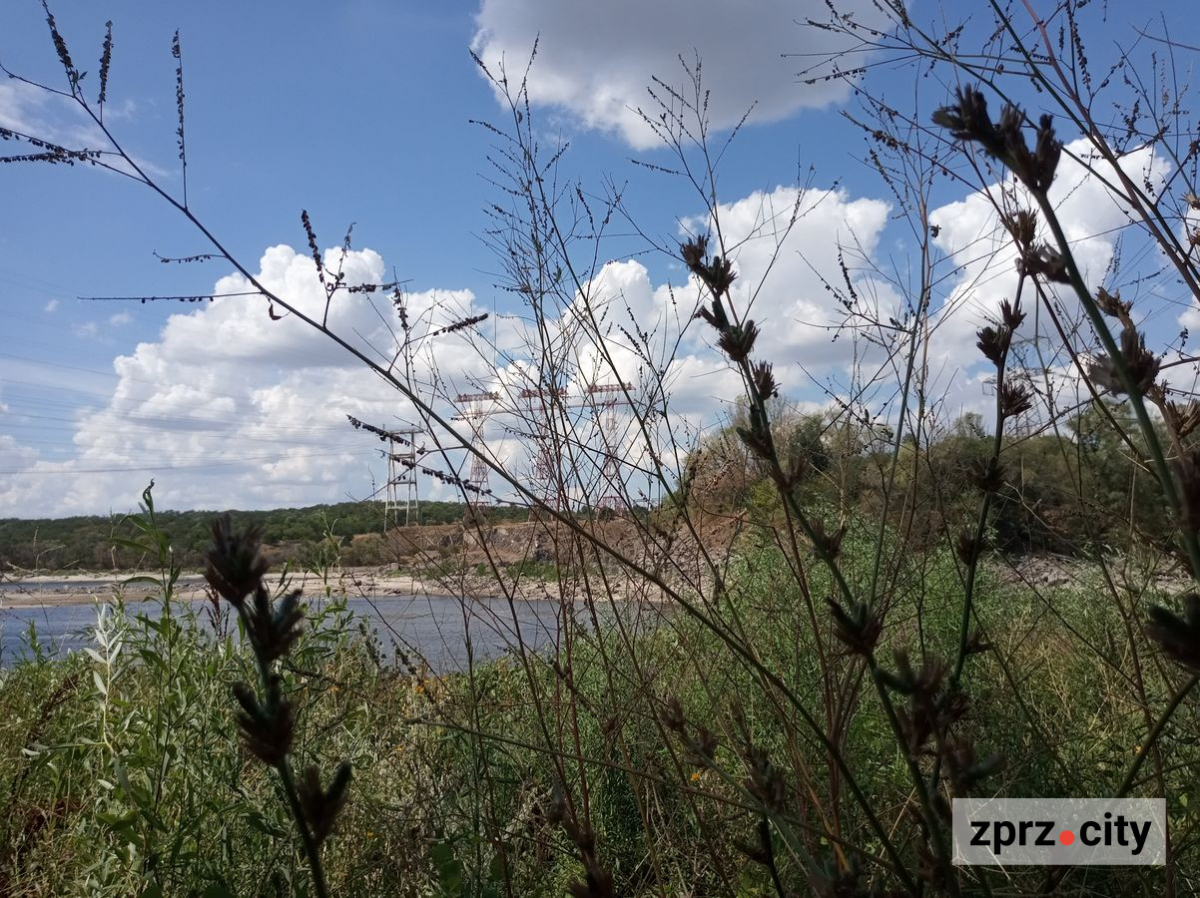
(90, 543)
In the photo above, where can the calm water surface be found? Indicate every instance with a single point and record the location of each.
(436, 626)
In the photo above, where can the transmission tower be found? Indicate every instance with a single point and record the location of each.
(402, 497)
(605, 399)
(476, 408)
(545, 468)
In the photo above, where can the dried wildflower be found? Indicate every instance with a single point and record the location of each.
(1110, 304)
(716, 274)
(757, 437)
(1014, 400)
(858, 628)
(977, 644)
(1045, 262)
(597, 883)
(1140, 363)
(234, 568)
(1179, 637)
(703, 749)
(828, 545)
(60, 47)
(1022, 225)
(737, 340)
(794, 473)
(987, 475)
(993, 342)
(969, 120)
(266, 728)
(716, 315)
(1187, 470)
(312, 245)
(672, 715)
(105, 61)
(274, 629)
(764, 380)
(321, 806)
(1011, 314)
(694, 252)
(765, 781)
(933, 708)
(966, 547)
(1181, 418)
(965, 769)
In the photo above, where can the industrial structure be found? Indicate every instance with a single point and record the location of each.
(401, 496)
(402, 501)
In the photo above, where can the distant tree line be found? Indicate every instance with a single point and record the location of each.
(87, 543)
(1072, 489)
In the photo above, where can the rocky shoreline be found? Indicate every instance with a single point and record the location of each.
(18, 590)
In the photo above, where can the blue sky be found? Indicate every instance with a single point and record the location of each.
(360, 112)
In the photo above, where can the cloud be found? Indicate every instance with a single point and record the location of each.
(32, 112)
(595, 60)
(228, 407)
(51, 306)
(120, 319)
(970, 235)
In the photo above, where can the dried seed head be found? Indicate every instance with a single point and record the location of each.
(764, 380)
(597, 883)
(737, 340)
(672, 714)
(266, 729)
(966, 547)
(1178, 636)
(1047, 152)
(234, 569)
(987, 475)
(1141, 364)
(857, 628)
(1187, 471)
(694, 252)
(965, 769)
(1182, 418)
(828, 545)
(1011, 314)
(322, 806)
(765, 781)
(1023, 227)
(1110, 304)
(1014, 400)
(757, 437)
(968, 119)
(274, 629)
(716, 315)
(993, 342)
(716, 274)
(1043, 261)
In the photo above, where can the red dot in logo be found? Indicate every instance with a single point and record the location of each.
(1066, 837)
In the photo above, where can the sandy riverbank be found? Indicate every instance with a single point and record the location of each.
(84, 588)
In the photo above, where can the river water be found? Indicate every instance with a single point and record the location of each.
(436, 626)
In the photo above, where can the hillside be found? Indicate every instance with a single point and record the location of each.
(87, 543)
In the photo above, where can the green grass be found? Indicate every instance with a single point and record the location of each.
(120, 771)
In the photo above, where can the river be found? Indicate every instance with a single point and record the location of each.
(437, 626)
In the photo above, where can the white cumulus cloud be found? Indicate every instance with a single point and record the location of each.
(595, 60)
